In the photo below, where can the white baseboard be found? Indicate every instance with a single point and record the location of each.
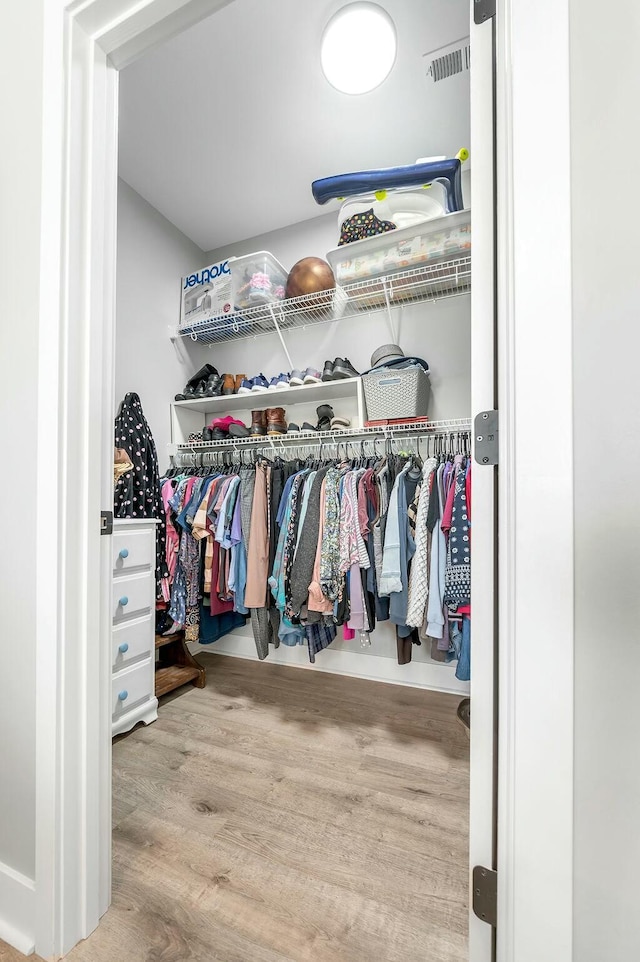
(17, 910)
(343, 661)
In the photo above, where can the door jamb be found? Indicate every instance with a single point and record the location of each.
(86, 38)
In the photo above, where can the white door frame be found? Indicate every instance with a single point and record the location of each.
(87, 40)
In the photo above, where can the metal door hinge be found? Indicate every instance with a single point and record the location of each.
(106, 522)
(485, 894)
(483, 10)
(485, 426)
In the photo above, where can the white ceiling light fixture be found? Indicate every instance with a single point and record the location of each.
(358, 48)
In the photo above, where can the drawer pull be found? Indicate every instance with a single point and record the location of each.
(124, 553)
(123, 694)
(124, 601)
(123, 647)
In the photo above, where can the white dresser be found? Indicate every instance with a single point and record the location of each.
(133, 653)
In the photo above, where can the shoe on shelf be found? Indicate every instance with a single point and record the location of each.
(325, 416)
(342, 367)
(296, 379)
(237, 382)
(245, 386)
(229, 384)
(237, 429)
(258, 423)
(340, 422)
(276, 423)
(207, 434)
(219, 434)
(225, 422)
(311, 376)
(213, 387)
(283, 382)
(293, 428)
(273, 383)
(259, 383)
(196, 437)
(327, 371)
(189, 391)
(308, 427)
(201, 390)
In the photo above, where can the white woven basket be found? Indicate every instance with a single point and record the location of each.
(393, 394)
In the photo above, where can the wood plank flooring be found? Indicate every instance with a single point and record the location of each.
(281, 815)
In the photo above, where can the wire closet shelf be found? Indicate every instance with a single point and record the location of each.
(321, 439)
(425, 283)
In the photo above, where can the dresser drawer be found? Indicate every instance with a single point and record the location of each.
(131, 688)
(134, 549)
(132, 597)
(132, 641)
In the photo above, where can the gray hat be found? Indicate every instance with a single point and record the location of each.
(388, 352)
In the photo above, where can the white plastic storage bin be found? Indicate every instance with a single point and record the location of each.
(257, 279)
(392, 394)
(206, 293)
(430, 243)
(404, 208)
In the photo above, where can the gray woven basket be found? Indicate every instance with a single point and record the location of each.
(396, 394)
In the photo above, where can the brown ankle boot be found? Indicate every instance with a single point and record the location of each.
(238, 381)
(258, 422)
(276, 423)
(228, 385)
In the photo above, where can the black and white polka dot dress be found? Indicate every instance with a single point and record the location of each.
(137, 492)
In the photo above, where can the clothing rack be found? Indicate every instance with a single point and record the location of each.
(438, 435)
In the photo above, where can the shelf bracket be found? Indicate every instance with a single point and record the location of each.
(279, 333)
(387, 299)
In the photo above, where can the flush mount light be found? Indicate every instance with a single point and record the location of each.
(358, 48)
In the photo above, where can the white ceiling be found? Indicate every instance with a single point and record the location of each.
(223, 128)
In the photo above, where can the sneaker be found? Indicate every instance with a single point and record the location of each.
(308, 427)
(245, 387)
(293, 428)
(273, 383)
(296, 379)
(225, 422)
(327, 372)
(259, 383)
(342, 367)
(311, 376)
(283, 382)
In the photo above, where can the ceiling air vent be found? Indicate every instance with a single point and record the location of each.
(448, 61)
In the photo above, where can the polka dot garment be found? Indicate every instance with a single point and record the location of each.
(363, 225)
(137, 492)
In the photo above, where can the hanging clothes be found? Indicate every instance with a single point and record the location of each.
(310, 550)
(137, 491)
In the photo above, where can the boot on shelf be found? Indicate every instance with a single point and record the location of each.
(229, 384)
(239, 378)
(193, 383)
(276, 423)
(258, 423)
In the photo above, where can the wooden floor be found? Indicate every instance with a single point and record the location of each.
(281, 814)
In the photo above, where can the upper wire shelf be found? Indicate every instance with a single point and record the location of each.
(427, 282)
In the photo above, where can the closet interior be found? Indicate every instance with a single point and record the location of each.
(312, 485)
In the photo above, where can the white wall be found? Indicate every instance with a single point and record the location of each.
(19, 313)
(606, 291)
(152, 257)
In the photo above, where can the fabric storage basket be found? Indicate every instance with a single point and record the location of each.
(396, 394)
